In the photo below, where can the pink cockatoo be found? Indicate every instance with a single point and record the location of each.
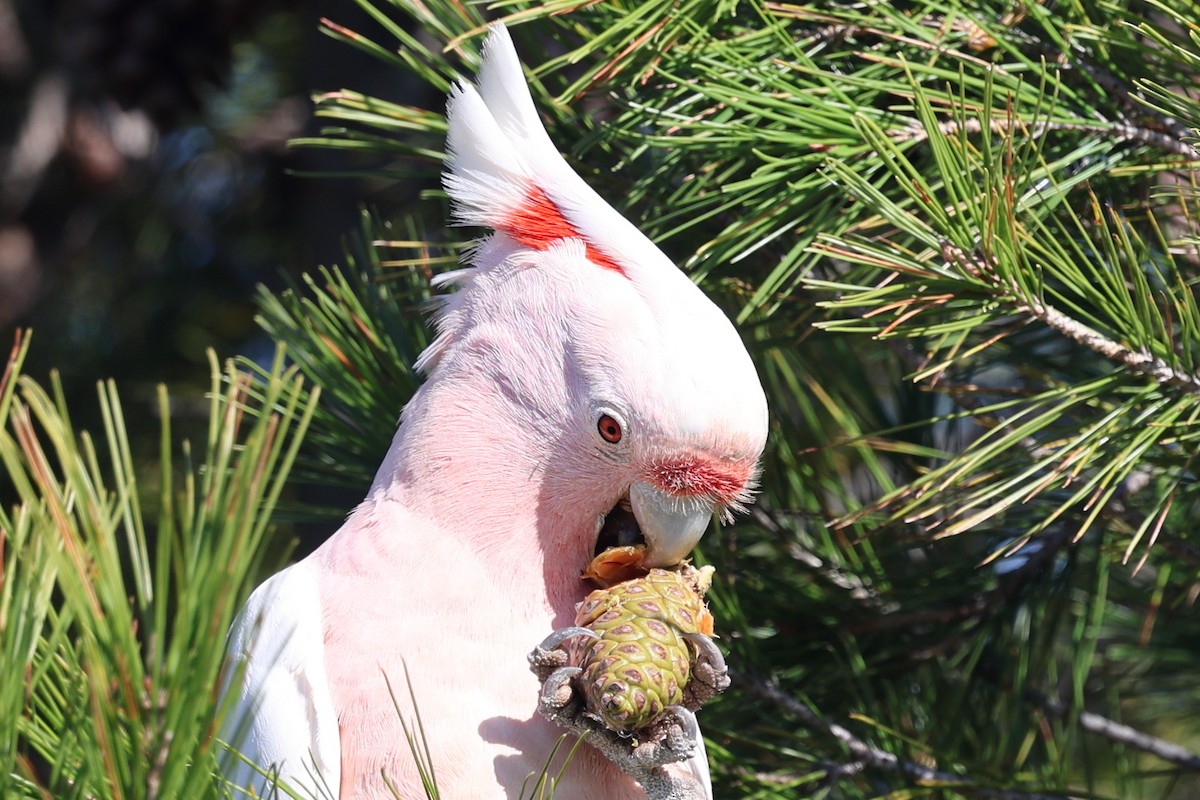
(579, 383)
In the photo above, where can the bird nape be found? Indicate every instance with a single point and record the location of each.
(581, 393)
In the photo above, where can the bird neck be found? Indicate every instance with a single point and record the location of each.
(476, 462)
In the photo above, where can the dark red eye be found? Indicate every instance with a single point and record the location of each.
(610, 429)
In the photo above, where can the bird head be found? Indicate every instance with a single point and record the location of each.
(645, 410)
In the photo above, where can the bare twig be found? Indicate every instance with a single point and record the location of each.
(872, 757)
(1115, 130)
(1120, 733)
(1139, 361)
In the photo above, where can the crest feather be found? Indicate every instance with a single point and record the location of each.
(504, 173)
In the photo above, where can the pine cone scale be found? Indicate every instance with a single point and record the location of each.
(640, 664)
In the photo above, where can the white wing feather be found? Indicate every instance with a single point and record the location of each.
(697, 765)
(283, 718)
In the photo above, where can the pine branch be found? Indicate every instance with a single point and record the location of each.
(1120, 733)
(1139, 361)
(1117, 131)
(1172, 137)
(1125, 97)
(121, 600)
(872, 757)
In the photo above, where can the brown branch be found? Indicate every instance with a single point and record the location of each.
(1139, 361)
(1126, 97)
(1120, 733)
(872, 757)
(1119, 131)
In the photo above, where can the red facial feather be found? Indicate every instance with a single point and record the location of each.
(538, 223)
(699, 475)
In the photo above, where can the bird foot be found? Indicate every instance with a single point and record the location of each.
(650, 756)
(710, 675)
(550, 656)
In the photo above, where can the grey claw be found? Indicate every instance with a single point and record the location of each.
(707, 650)
(674, 782)
(562, 634)
(658, 763)
(688, 723)
(710, 675)
(557, 691)
(659, 760)
(549, 655)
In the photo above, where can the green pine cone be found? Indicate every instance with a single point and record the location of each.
(641, 663)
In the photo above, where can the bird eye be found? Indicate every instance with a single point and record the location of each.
(609, 428)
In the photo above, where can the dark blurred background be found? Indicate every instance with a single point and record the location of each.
(146, 184)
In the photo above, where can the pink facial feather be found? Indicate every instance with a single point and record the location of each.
(698, 475)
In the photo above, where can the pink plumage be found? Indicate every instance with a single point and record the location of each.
(469, 546)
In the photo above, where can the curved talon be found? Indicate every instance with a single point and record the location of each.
(549, 655)
(562, 634)
(657, 763)
(709, 670)
(557, 690)
(681, 736)
(688, 723)
(658, 760)
(707, 651)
